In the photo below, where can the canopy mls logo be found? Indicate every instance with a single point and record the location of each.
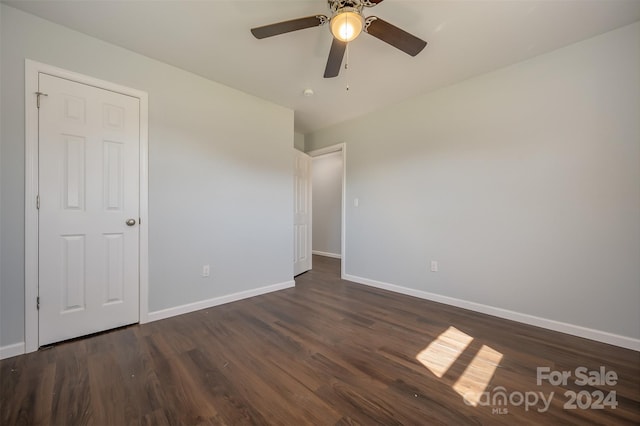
(500, 400)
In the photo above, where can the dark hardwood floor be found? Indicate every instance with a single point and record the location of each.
(328, 352)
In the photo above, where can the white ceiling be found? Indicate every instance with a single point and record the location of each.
(211, 38)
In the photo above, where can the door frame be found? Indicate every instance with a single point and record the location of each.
(32, 71)
(341, 147)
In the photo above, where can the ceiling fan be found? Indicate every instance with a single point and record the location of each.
(346, 23)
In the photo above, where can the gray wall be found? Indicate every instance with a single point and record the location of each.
(523, 183)
(327, 203)
(220, 172)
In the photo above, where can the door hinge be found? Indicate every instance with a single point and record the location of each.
(38, 303)
(38, 202)
(38, 94)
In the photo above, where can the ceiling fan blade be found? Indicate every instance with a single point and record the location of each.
(393, 35)
(288, 26)
(370, 3)
(336, 54)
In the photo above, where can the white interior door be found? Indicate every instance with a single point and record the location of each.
(88, 266)
(301, 213)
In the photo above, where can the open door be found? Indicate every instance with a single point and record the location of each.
(301, 213)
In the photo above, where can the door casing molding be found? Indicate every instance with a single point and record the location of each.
(32, 70)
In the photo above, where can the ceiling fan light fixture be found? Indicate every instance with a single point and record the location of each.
(347, 24)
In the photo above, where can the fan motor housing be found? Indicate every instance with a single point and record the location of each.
(339, 6)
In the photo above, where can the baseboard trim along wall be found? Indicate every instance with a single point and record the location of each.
(19, 348)
(575, 330)
(12, 350)
(326, 254)
(203, 304)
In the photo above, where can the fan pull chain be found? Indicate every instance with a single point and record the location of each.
(346, 66)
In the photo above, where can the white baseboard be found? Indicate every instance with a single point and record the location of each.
(203, 304)
(575, 330)
(19, 348)
(326, 254)
(12, 350)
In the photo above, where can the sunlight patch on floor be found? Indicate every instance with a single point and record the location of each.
(440, 355)
(478, 374)
(443, 352)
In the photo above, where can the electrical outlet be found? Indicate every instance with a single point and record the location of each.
(434, 266)
(206, 271)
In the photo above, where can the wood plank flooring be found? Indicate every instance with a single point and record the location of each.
(327, 352)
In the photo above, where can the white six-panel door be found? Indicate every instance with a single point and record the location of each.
(89, 141)
(301, 213)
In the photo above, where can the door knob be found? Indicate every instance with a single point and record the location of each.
(130, 222)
